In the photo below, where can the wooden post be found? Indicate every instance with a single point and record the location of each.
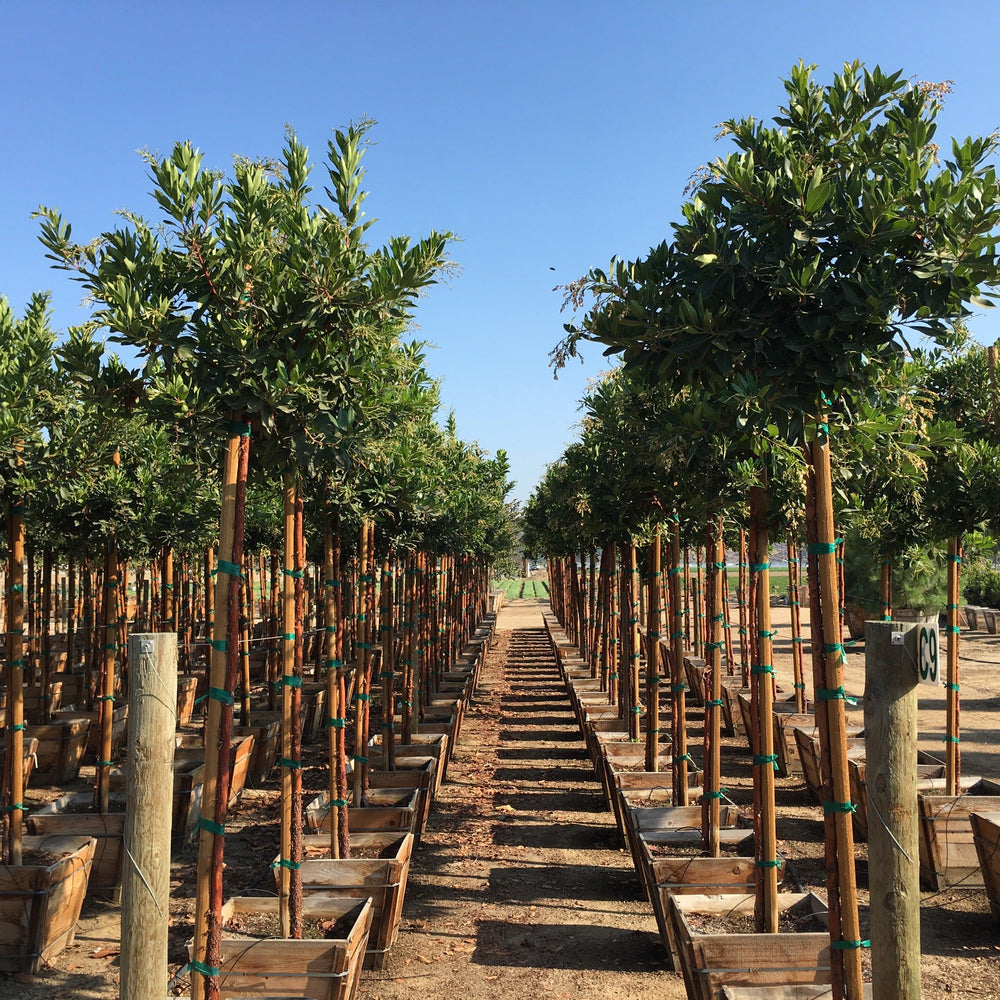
(149, 778)
(891, 776)
(653, 657)
(678, 685)
(715, 556)
(953, 759)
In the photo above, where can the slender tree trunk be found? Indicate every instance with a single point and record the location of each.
(14, 670)
(678, 684)
(653, 657)
(711, 799)
(794, 601)
(953, 756)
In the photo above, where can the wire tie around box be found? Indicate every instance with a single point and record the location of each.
(760, 760)
(218, 829)
(839, 807)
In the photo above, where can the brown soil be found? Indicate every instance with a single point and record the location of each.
(519, 886)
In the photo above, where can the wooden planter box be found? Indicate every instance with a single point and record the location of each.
(679, 826)
(419, 779)
(383, 879)
(61, 746)
(646, 789)
(107, 832)
(412, 754)
(33, 701)
(73, 688)
(710, 961)
(397, 816)
(313, 711)
(986, 836)
(30, 751)
(667, 876)
(119, 722)
(947, 851)
(930, 778)
(807, 742)
(627, 756)
(40, 905)
(278, 967)
(187, 692)
(266, 733)
(189, 748)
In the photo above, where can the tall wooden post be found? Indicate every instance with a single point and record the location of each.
(795, 603)
(678, 685)
(953, 757)
(146, 872)
(715, 555)
(893, 845)
(653, 657)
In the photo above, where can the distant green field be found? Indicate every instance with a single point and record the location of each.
(520, 587)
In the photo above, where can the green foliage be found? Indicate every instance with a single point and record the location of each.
(981, 586)
(919, 576)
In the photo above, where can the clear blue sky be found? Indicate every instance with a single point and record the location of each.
(546, 134)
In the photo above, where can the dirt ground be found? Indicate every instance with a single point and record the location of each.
(520, 887)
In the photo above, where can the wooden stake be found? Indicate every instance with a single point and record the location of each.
(653, 657)
(678, 684)
(715, 554)
(794, 601)
(893, 846)
(15, 683)
(765, 760)
(107, 701)
(952, 752)
(145, 903)
(829, 699)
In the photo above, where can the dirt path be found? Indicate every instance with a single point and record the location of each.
(519, 887)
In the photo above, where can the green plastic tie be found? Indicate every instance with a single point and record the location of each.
(759, 760)
(289, 680)
(798, 638)
(15, 663)
(949, 739)
(292, 765)
(831, 694)
(823, 548)
(674, 571)
(294, 574)
(218, 829)
(762, 668)
(954, 629)
(714, 703)
(714, 645)
(19, 727)
(677, 688)
(360, 696)
(359, 759)
(104, 763)
(220, 695)
(842, 945)
(15, 807)
(333, 664)
(720, 794)
(17, 588)
(229, 568)
(288, 636)
(205, 970)
(331, 583)
(682, 758)
(293, 866)
(219, 645)
(773, 863)
(839, 807)
(759, 567)
(334, 723)
(835, 647)
(952, 687)
(763, 633)
(104, 697)
(677, 635)
(955, 559)
(336, 803)
(799, 687)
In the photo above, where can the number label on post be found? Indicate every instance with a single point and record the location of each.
(927, 655)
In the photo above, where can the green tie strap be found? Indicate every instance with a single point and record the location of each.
(849, 945)
(762, 668)
(335, 723)
(238, 429)
(720, 794)
(759, 567)
(293, 866)
(773, 863)
(292, 765)
(289, 680)
(218, 829)
(831, 694)
(823, 548)
(229, 568)
(714, 703)
(839, 807)
(205, 970)
(219, 645)
(768, 758)
(294, 574)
